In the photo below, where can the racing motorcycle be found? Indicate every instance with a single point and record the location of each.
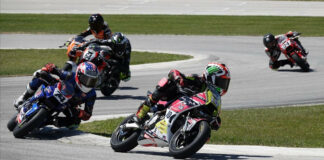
(183, 125)
(48, 103)
(290, 49)
(100, 55)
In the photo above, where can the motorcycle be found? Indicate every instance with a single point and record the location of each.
(49, 102)
(109, 79)
(183, 125)
(290, 49)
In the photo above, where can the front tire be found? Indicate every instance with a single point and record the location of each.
(124, 140)
(301, 62)
(12, 122)
(22, 130)
(183, 148)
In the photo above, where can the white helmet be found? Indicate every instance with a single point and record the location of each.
(217, 77)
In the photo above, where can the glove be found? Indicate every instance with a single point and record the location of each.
(84, 115)
(49, 67)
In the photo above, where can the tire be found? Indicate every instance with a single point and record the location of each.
(178, 149)
(126, 142)
(110, 87)
(34, 122)
(12, 122)
(301, 62)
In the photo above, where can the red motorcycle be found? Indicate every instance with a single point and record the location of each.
(290, 49)
(183, 125)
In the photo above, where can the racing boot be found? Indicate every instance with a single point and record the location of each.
(141, 114)
(27, 94)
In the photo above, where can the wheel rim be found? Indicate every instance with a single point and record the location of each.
(123, 135)
(184, 139)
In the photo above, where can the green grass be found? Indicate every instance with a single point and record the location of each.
(163, 24)
(286, 126)
(27, 61)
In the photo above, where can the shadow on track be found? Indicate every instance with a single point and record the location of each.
(53, 133)
(118, 97)
(206, 155)
(295, 70)
(128, 88)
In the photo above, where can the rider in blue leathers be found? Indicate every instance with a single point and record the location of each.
(83, 82)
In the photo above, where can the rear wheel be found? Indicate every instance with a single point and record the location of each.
(12, 122)
(110, 86)
(183, 145)
(123, 140)
(301, 62)
(38, 119)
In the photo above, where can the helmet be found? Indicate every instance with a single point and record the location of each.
(120, 42)
(86, 76)
(269, 40)
(217, 77)
(96, 22)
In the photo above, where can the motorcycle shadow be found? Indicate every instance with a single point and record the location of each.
(295, 70)
(119, 97)
(52, 133)
(206, 155)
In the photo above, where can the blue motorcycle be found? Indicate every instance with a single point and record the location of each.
(41, 108)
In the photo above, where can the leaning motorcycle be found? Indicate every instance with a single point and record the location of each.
(49, 102)
(108, 79)
(290, 49)
(184, 126)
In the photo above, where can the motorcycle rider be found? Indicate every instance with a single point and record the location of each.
(83, 82)
(215, 80)
(273, 51)
(97, 27)
(120, 57)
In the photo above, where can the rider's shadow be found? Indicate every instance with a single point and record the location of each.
(295, 70)
(206, 155)
(120, 97)
(53, 133)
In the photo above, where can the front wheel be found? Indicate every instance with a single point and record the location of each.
(183, 145)
(110, 86)
(12, 122)
(301, 62)
(38, 119)
(123, 140)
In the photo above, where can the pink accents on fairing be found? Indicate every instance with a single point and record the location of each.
(163, 82)
(178, 105)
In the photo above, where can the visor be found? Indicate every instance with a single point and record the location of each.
(220, 82)
(87, 81)
(95, 27)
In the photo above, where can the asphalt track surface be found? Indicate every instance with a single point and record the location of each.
(253, 83)
(173, 7)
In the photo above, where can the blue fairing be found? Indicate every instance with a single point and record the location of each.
(34, 108)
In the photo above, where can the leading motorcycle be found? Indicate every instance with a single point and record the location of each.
(290, 49)
(183, 126)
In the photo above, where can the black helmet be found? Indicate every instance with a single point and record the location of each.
(120, 42)
(96, 22)
(269, 40)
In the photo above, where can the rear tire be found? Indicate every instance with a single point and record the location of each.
(110, 87)
(183, 148)
(123, 141)
(12, 122)
(301, 62)
(34, 122)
